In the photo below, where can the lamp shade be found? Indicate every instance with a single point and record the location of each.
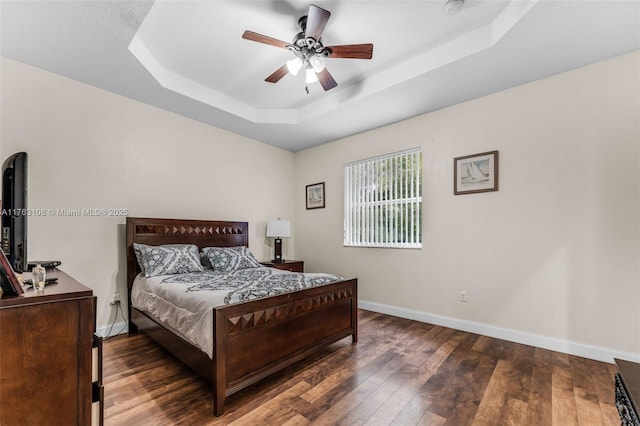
(278, 229)
(310, 76)
(294, 65)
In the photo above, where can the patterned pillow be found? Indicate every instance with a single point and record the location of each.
(168, 259)
(229, 259)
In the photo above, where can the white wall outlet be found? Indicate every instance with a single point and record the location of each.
(463, 296)
(115, 300)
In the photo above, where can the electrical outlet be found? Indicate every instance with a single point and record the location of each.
(115, 300)
(462, 296)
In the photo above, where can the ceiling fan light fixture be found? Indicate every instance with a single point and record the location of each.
(294, 65)
(309, 50)
(317, 63)
(453, 7)
(310, 76)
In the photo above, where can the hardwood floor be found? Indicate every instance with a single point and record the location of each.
(400, 372)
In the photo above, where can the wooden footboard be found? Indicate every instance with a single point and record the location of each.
(253, 340)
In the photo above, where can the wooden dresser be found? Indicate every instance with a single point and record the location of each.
(628, 392)
(46, 355)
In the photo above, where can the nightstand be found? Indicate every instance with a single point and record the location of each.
(287, 265)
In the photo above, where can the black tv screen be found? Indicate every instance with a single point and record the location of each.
(14, 210)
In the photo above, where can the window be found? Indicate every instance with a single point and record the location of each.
(383, 201)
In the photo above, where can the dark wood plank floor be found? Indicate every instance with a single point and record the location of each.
(401, 372)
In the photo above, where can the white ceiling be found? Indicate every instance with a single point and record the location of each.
(188, 56)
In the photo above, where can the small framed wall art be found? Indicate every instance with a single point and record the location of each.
(315, 196)
(475, 173)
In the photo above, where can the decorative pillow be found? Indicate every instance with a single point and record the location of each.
(169, 259)
(229, 259)
(139, 257)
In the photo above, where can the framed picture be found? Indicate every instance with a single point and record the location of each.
(8, 279)
(315, 196)
(475, 173)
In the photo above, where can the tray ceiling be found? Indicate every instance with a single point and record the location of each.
(189, 57)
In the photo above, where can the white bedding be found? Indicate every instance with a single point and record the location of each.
(184, 303)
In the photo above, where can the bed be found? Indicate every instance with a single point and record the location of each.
(253, 339)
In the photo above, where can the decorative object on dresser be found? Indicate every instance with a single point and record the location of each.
(278, 229)
(9, 283)
(287, 265)
(251, 339)
(46, 362)
(315, 196)
(475, 173)
(628, 392)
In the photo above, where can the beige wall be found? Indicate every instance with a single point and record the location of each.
(89, 148)
(554, 253)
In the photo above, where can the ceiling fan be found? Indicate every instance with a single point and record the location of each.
(309, 51)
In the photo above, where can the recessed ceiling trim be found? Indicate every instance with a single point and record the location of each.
(201, 40)
(434, 57)
(510, 15)
(472, 42)
(179, 84)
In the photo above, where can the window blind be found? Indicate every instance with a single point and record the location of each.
(383, 201)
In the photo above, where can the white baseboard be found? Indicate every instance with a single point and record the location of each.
(559, 345)
(121, 327)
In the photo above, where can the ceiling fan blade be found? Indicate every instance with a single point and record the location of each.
(326, 80)
(250, 35)
(316, 21)
(352, 51)
(277, 74)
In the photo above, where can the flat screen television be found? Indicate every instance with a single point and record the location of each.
(14, 210)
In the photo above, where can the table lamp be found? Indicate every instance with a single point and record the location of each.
(278, 229)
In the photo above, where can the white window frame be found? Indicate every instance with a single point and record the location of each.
(390, 218)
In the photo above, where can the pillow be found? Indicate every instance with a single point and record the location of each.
(169, 259)
(229, 259)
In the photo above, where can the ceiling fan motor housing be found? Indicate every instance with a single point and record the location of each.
(306, 48)
(301, 42)
(302, 23)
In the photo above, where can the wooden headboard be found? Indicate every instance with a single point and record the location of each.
(202, 233)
